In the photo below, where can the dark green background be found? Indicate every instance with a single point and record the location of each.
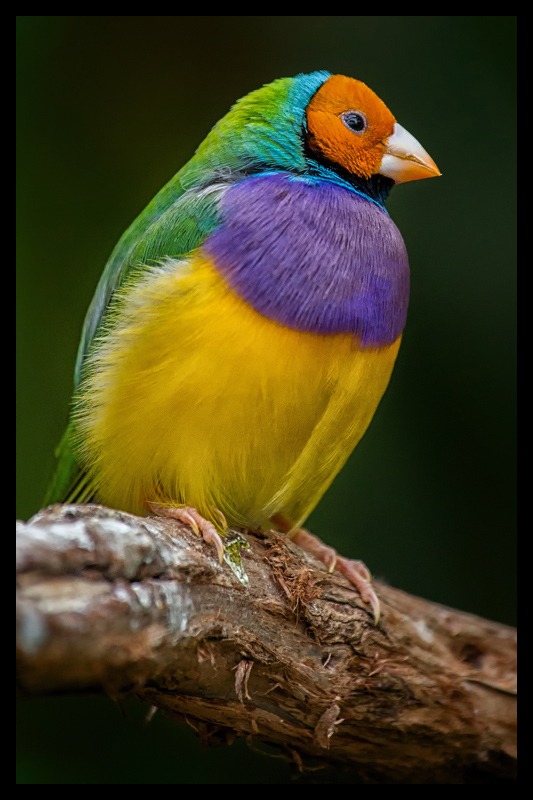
(108, 109)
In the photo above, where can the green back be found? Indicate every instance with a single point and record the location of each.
(263, 131)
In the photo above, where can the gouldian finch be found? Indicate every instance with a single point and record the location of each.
(246, 324)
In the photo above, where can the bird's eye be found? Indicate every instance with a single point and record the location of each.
(354, 120)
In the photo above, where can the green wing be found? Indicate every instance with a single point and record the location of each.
(163, 230)
(262, 131)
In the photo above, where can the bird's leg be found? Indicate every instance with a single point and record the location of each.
(200, 525)
(356, 571)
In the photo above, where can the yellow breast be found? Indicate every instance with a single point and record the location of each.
(193, 397)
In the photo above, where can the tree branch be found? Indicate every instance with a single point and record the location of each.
(112, 602)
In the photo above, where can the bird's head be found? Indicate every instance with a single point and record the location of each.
(350, 127)
(307, 122)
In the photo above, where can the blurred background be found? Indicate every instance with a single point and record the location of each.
(109, 108)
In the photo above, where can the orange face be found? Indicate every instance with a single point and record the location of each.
(348, 124)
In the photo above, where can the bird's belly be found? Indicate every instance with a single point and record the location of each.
(194, 397)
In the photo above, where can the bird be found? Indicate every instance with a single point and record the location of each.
(246, 324)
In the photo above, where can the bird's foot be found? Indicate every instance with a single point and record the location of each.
(228, 547)
(356, 571)
(201, 526)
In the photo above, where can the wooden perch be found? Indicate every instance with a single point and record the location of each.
(112, 602)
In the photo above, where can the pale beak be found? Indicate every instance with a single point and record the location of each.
(405, 159)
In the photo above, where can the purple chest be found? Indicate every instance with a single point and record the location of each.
(313, 256)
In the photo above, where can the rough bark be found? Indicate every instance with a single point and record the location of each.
(112, 602)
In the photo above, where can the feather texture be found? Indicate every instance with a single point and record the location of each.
(246, 325)
(194, 394)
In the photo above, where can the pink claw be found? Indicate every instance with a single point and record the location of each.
(356, 571)
(200, 525)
